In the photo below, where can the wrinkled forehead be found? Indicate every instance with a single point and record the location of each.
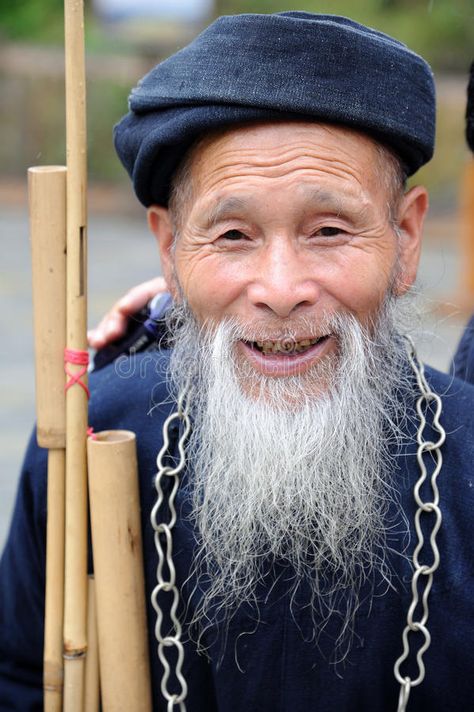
(278, 135)
(309, 152)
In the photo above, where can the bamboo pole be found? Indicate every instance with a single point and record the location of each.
(47, 201)
(118, 561)
(53, 672)
(92, 691)
(75, 596)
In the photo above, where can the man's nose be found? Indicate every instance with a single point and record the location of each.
(283, 281)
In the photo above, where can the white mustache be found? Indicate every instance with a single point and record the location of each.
(275, 330)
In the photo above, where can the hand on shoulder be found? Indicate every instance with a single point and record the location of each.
(114, 324)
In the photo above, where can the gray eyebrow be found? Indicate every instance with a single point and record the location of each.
(339, 204)
(334, 202)
(324, 197)
(226, 208)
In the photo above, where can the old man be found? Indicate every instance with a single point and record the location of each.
(318, 563)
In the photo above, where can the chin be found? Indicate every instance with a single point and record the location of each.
(283, 382)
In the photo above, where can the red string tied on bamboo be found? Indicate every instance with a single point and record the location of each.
(77, 358)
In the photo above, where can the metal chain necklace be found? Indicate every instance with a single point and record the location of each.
(422, 579)
(422, 575)
(166, 572)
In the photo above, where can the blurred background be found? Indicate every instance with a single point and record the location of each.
(125, 38)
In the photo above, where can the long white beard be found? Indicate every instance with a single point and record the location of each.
(280, 471)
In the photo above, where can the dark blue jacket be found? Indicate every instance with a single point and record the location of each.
(278, 667)
(463, 361)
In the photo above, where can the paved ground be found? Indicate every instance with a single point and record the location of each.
(122, 254)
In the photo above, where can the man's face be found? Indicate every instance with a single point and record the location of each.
(288, 225)
(286, 239)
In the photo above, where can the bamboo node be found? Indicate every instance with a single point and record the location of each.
(75, 654)
(53, 676)
(53, 688)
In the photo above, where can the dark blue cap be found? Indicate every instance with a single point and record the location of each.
(291, 65)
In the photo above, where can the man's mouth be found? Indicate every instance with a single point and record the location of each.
(286, 346)
(286, 356)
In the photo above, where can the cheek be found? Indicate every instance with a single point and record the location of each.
(362, 283)
(209, 283)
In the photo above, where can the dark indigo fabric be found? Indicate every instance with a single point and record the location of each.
(463, 361)
(274, 666)
(267, 67)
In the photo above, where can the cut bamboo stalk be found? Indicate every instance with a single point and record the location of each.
(75, 597)
(47, 201)
(118, 563)
(47, 204)
(92, 692)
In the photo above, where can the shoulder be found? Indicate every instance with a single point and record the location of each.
(131, 391)
(457, 398)
(456, 483)
(463, 361)
(456, 480)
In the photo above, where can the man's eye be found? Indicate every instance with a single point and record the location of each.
(233, 235)
(329, 231)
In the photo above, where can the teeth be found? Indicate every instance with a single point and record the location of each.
(286, 346)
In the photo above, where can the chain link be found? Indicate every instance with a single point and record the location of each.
(423, 572)
(165, 571)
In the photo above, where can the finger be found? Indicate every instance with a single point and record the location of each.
(139, 296)
(111, 328)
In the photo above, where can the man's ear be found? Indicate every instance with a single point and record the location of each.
(411, 214)
(159, 223)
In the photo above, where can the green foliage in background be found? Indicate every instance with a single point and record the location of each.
(32, 122)
(107, 103)
(440, 30)
(33, 128)
(39, 20)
